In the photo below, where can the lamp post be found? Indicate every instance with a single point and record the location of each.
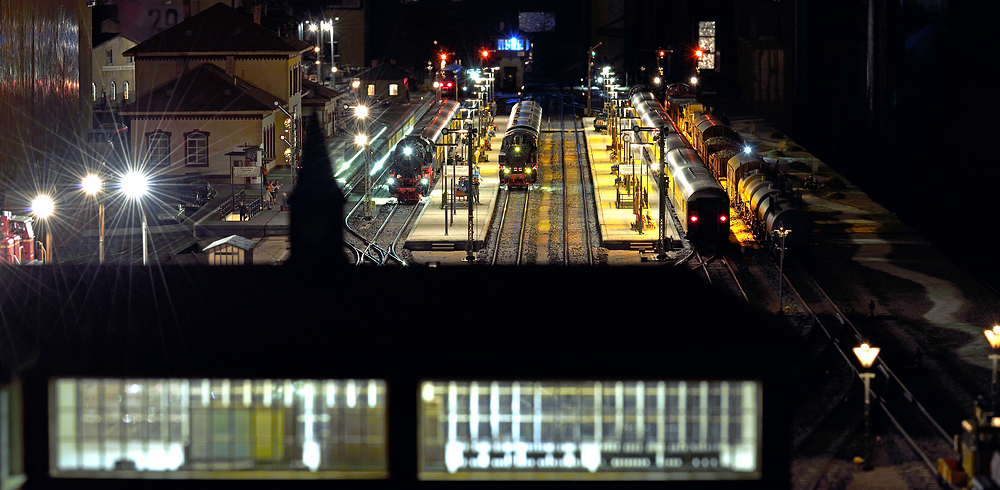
(781, 232)
(328, 26)
(92, 185)
(293, 145)
(866, 356)
(43, 207)
(661, 253)
(135, 185)
(361, 140)
(993, 336)
(469, 245)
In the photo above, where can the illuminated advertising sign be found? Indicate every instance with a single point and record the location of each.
(512, 44)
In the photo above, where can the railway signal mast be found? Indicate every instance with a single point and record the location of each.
(591, 54)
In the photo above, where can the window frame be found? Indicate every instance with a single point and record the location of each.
(191, 157)
(158, 157)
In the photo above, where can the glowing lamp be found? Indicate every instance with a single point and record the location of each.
(91, 184)
(866, 354)
(993, 336)
(43, 206)
(135, 185)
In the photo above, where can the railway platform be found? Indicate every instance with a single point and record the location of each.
(431, 241)
(617, 209)
(441, 234)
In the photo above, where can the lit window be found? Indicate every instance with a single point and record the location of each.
(706, 43)
(11, 439)
(114, 88)
(371, 89)
(219, 428)
(126, 90)
(93, 89)
(393, 89)
(158, 147)
(590, 430)
(196, 148)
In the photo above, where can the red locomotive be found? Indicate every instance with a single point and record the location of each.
(18, 239)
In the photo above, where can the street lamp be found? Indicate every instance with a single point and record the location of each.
(43, 207)
(296, 137)
(993, 336)
(361, 140)
(328, 26)
(135, 185)
(866, 356)
(661, 253)
(92, 185)
(781, 232)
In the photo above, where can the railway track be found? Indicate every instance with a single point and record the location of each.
(718, 270)
(578, 199)
(376, 241)
(906, 430)
(507, 247)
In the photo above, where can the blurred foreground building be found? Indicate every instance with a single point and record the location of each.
(228, 377)
(45, 54)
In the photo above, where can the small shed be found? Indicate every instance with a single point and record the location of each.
(232, 250)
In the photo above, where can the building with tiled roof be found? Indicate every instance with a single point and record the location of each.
(215, 82)
(113, 82)
(386, 81)
(322, 101)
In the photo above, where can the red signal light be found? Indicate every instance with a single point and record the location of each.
(698, 53)
(444, 57)
(486, 54)
(722, 218)
(662, 53)
(694, 219)
(448, 85)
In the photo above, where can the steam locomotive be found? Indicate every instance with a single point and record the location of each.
(411, 168)
(519, 149)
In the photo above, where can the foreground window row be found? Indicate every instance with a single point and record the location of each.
(241, 428)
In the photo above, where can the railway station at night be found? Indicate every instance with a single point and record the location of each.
(418, 242)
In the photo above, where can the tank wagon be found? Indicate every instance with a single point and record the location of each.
(764, 199)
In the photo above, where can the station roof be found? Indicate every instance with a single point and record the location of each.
(234, 240)
(219, 30)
